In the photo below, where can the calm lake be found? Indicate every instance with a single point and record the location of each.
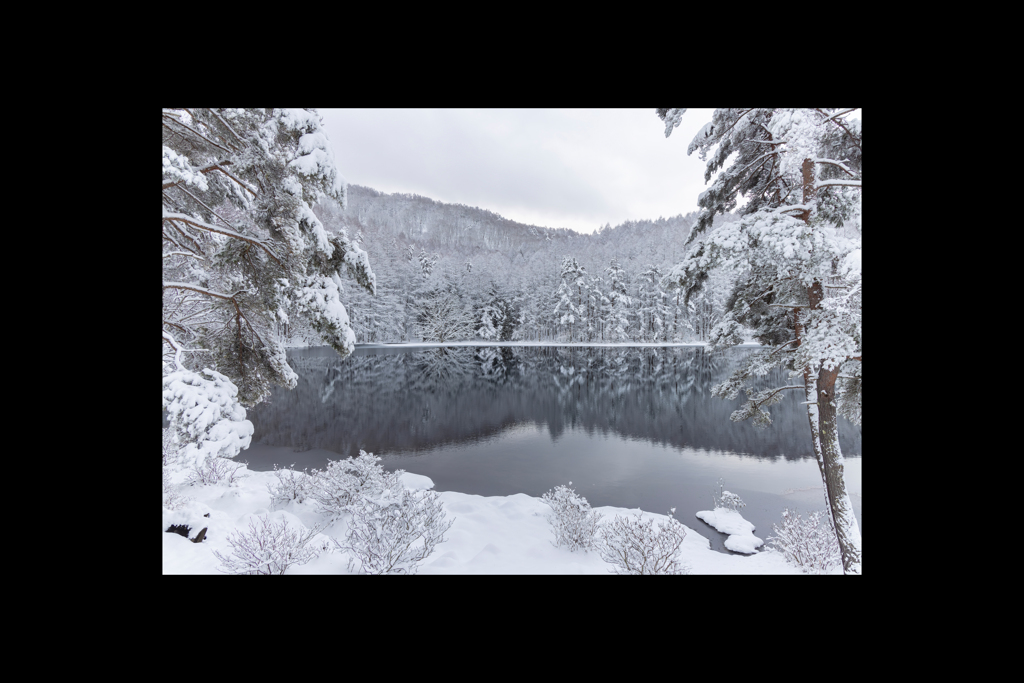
(628, 426)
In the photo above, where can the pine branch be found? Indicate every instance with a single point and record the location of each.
(205, 169)
(833, 162)
(839, 123)
(195, 132)
(842, 113)
(245, 186)
(172, 217)
(228, 126)
(845, 183)
(203, 204)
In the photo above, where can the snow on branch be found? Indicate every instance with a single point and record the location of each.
(833, 162)
(837, 115)
(758, 400)
(202, 225)
(183, 253)
(205, 169)
(179, 122)
(845, 183)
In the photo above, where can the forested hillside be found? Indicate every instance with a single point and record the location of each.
(452, 272)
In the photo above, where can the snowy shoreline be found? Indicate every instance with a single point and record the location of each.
(393, 345)
(490, 534)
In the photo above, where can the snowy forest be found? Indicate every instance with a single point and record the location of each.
(456, 273)
(268, 249)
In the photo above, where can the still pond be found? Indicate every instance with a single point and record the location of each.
(628, 426)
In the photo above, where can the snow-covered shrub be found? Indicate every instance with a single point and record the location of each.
(170, 447)
(394, 530)
(268, 548)
(572, 520)
(214, 471)
(809, 544)
(724, 499)
(636, 546)
(343, 482)
(173, 500)
(291, 485)
(205, 415)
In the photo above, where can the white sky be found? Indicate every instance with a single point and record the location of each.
(556, 168)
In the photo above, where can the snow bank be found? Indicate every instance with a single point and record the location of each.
(490, 534)
(741, 539)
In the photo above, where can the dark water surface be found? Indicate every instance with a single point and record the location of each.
(630, 427)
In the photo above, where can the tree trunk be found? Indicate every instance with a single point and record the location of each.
(847, 529)
(821, 414)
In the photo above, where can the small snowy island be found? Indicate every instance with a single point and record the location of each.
(726, 519)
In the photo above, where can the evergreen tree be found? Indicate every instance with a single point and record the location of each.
(620, 303)
(243, 251)
(570, 296)
(797, 248)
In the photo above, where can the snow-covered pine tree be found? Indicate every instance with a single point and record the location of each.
(621, 302)
(243, 250)
(498, 316)
(796, 252)
(653, 307)
(570, 308)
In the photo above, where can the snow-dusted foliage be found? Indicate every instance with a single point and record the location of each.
(572, 520)
(442, 315)
(291, 486)
(809, 544)
(638, 546)
(215, 470)
(724, 499)
(268, 547)
(172, 498)
(394, 529)
(243, 250)
(343, 482)
(205, 415)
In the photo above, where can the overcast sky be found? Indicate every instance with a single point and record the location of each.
(556, 168)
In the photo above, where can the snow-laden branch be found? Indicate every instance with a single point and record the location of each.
(838, 114)
(168, 216)
(202, 290)
(227, 125)
(177, 349)
(244, 185)
(792, 207)
(833, 162)
(205, 169)
(183, 253)
(839, 123)
(763, 156)
(179, 122)
(844, 183)
(206, 206)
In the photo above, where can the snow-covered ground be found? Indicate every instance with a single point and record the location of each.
(490, 534)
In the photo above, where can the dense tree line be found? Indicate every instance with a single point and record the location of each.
(451, 272)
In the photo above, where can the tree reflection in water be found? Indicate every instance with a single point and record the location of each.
(389, 400)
